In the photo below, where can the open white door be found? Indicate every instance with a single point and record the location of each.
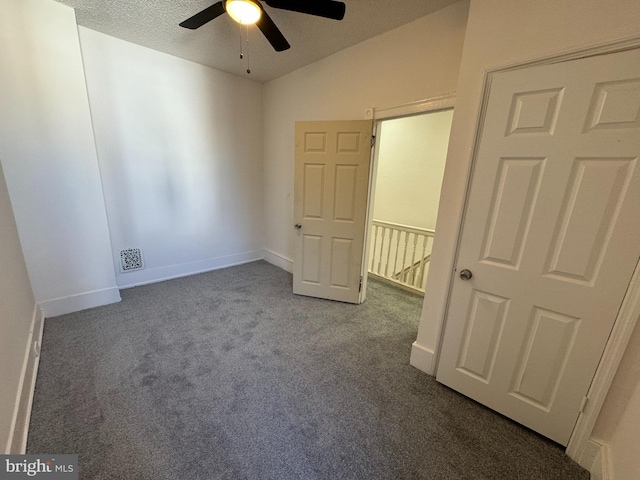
(551, 237)
(332, 163)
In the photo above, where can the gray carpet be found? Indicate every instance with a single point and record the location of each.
(228, 375)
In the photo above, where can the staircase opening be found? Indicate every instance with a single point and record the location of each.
(408, 170)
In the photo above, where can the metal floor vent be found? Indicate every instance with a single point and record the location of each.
(131, 259)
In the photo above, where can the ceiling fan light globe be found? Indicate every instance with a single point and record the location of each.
(246, 12)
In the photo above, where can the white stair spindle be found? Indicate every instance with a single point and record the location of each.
(423, 257)
(411, 280)
(395, 261)
(373, 248)
(381, 250)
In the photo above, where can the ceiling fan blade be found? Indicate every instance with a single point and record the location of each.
(321, 8)
(206, 15)
(272, 33)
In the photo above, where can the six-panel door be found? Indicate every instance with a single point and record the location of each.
(330, 203)
(552, 235)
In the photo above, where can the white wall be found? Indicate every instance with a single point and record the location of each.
(499, 33)
(180, 150)
(48, 155)
(16, 312)
(416, 61)
(411, 158)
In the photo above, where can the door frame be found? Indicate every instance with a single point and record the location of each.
(580, 448)
(417, 107)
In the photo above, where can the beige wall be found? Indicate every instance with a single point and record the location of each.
(411, 157)
(500, 33)
(17, 305)
(416, 61)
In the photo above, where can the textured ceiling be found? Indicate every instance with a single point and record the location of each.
(154, 24)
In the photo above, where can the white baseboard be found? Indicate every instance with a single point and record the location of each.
(595, 458)
(422, 359)
(17, 443)
(278, 260)
(81, 301)
(169, 272)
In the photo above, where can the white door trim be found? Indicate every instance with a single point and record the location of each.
(611, 358)
(441, 102)
(373, 173)
(630, 310)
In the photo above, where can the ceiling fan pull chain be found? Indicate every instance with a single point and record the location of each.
(248, 67)
(241, 44)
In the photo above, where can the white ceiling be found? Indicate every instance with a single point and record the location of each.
(154, 24)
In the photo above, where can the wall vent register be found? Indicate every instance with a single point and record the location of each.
(131, 259)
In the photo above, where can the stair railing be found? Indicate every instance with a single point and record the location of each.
(400, 253)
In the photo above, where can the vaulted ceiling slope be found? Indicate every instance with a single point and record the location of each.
(154, 24)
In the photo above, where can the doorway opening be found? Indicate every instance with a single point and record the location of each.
(407, 176)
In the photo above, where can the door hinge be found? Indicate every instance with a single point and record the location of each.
(583, 405)
(373, 141)
(360, 286)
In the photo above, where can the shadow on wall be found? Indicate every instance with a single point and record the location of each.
(180, 150)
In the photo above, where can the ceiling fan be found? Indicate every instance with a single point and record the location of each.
(251, 11)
